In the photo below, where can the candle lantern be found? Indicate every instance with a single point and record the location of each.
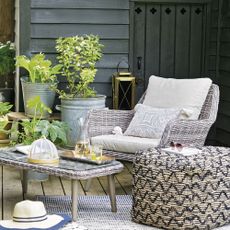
(123, 84)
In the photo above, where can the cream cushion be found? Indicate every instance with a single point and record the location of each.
(178, 93)
(127, 144)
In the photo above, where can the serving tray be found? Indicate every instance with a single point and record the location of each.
(71, 155)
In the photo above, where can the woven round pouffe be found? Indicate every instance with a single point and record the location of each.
(172, 191)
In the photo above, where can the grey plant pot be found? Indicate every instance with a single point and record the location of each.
(73, 109)
(31, 90)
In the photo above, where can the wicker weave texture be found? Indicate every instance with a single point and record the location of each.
(187, 132)
(173, 191)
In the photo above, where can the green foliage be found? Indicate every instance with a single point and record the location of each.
(78, 56)
(4, 121)
(54, 131)
(38, 105)
(40, 70)
(7, 55)
(36, 128)
(5, 108)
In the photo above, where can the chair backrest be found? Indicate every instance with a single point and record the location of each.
(210, 106)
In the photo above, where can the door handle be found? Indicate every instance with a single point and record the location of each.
(139, 81)
(139, 60)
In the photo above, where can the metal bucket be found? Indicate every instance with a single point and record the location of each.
(31, 90)
(73, 109)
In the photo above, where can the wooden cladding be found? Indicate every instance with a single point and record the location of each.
(6, 20)
(170, 39)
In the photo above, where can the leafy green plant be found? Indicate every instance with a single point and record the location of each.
(55, 131)
(78, 56)
(7, 60)
(40, 70)
(5, 126)
(7, 55)
(5, 108)
(36, 128)
(39, 107)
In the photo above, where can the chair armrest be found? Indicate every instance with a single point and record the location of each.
(187, 132)
(103, 121)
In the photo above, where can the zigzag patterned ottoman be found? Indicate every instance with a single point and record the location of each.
(172, 191)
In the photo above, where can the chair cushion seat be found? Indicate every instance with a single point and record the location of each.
(127, 144)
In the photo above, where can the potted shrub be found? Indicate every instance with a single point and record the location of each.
(5, 124)
(78, 56)
(7, 67)
(41, 81)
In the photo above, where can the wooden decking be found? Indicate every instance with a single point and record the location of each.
(11, 189)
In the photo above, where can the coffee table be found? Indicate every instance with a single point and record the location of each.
(73, 170)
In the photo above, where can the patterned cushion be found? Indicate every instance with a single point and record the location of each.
(172, 191)
(150, 122)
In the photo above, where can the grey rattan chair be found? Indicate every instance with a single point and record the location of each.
(189, 132)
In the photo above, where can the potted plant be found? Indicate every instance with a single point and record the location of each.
(36, 127)
(7, 67)
(5, 124)
(41, 81)
(78, 56)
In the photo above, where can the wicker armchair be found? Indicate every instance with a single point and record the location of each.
(190, 132)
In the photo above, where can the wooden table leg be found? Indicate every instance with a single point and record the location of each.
(74, 190)
(24, 183)
(112, 194)
(88, 184)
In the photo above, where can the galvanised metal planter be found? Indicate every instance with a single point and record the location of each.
(31, 90)
(73, 109)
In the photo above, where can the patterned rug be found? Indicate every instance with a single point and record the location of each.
(94, 212)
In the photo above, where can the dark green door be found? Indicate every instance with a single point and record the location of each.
(169, 40)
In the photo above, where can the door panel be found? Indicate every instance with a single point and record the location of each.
(169, 40)
(196, 41)
(153, 27)
(139, 46)
(182, 41)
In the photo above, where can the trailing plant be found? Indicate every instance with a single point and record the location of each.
(7, 60)
(78, 56)
(36, 127)
(40, 69)
(7, 55)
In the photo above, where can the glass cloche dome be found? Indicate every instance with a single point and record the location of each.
(43, 152)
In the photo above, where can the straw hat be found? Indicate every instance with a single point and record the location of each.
(32, 215)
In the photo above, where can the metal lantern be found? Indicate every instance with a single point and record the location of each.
(124, 88)
(43, 152)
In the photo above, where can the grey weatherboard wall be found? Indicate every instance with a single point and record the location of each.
(41, 22)
(60, 18)
(223, 120)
